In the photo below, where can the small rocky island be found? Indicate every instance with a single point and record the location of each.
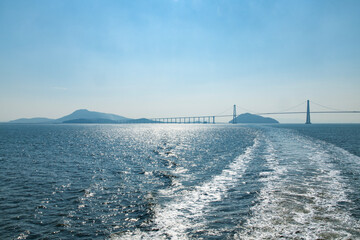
(253, 118)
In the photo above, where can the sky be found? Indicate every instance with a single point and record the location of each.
(172, 58)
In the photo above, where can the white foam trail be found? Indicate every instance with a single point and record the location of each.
(301, 194)
(186, 212)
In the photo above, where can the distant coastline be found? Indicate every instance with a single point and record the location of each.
(84, 116)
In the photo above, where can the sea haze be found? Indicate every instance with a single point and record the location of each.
(179, 181)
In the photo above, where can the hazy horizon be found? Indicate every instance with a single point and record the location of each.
(179, 58)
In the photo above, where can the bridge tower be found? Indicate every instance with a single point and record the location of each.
(308, 113)
(234, 115)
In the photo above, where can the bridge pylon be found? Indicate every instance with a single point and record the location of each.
(308, 113)
(234, 115)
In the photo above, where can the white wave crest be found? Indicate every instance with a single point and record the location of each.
(303, 193)
(186, 212)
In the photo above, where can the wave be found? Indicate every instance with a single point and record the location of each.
(300, 187)
(187, 211)
(304, 194)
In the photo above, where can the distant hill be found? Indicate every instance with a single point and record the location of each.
(252, 118)
(90, 115)
(96, 120)
(79, 116)
(103, 120)
(32, 120)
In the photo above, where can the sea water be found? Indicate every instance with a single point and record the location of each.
(180, 181)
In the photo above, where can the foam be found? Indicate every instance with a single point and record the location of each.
(186, 212)
(294, 204)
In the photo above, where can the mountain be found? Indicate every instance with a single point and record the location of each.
(32, 120)
(79, 116)
(85, 114)
(94, 120)
(252, 118)
(104, 120)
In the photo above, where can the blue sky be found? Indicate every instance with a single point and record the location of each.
(178, 58)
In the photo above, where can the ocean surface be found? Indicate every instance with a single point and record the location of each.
(180, 181)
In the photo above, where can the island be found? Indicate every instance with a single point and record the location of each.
(253, 118)
(83, 116)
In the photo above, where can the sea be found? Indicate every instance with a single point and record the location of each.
(179, 181)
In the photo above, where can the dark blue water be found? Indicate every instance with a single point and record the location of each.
(179, 182)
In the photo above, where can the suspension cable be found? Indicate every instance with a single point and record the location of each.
(223, 111)
(329, 108)
(248, 110)
(288, 109)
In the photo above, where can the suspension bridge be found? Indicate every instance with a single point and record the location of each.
(211, 119)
